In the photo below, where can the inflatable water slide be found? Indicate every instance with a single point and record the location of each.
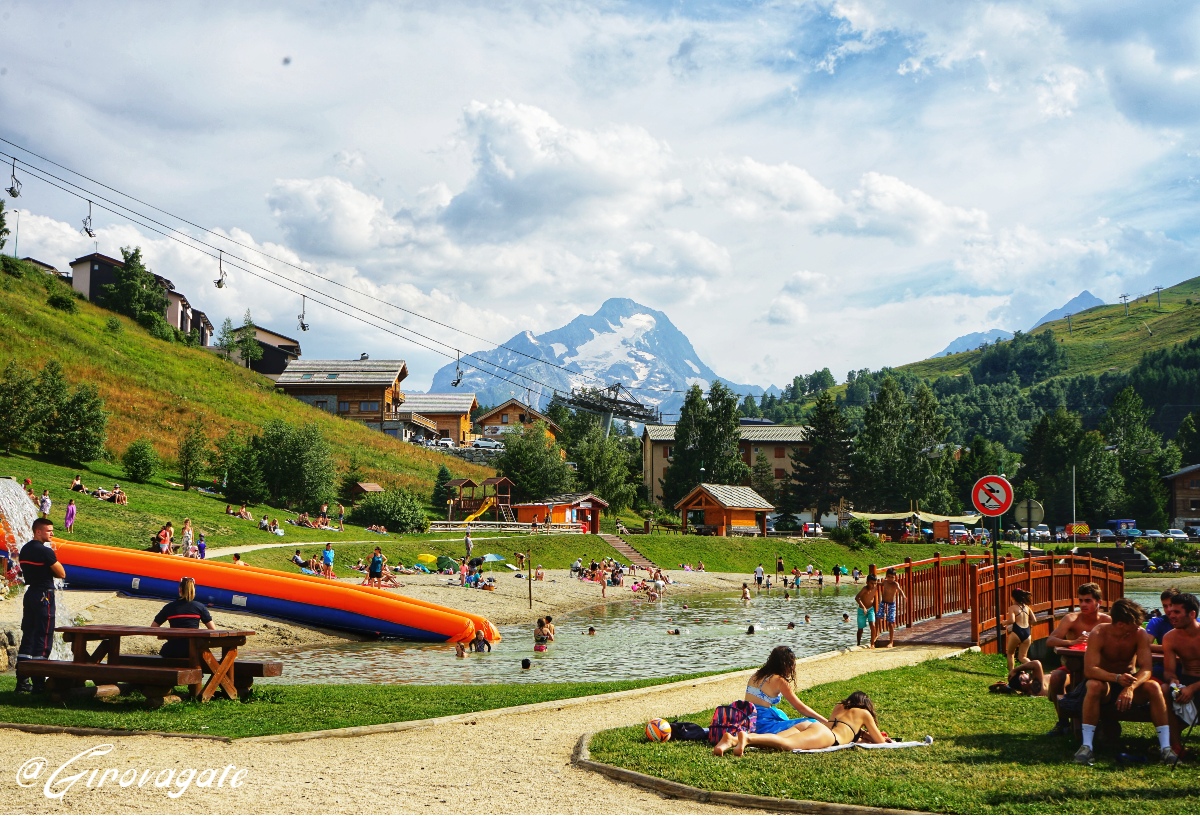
(271, 593)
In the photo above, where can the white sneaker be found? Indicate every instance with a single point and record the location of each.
(1168, 756)
(1085, 756)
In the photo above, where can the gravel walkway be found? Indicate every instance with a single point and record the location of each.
(497, 762)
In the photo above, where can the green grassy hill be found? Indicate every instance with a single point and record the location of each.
(154, 389)
(1103, 338)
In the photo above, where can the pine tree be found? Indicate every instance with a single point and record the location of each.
(927, 459)
(707, 437)
(821, 468)
(227, 339)
(3, 226)
(135, 291)
(1143, 458)
(247, 344)
(192, 453)
(604, 469)
(18, 406)
(1188, 440)
(877, 462)
(441, 492)
(534, 461)
(762, 477)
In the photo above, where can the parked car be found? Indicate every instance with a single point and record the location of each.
(491, 444)
(444, 442)
(1104, 534)
(1194, 532)
(981, 533)
(1041, 532)
(1178, 535)
(811, 528)
(958, 531)
(1153, 534)
(1128, 534)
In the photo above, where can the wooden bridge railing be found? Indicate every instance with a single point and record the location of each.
(963, 583)
(1052, 580)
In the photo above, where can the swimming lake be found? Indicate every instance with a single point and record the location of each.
(631, 642)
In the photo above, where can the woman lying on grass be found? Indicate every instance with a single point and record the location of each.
(852, 720)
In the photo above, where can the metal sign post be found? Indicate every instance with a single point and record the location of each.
(993, 496)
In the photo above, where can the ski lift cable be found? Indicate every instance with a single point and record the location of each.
(542, 360)
(195, 243)
(285, 262)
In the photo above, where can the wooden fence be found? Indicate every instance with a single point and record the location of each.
(965, 584)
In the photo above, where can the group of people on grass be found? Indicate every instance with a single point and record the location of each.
(322, 521)
(116, 495)
(757, 721)
(321, 562)
(1119, 668)
(190, 543)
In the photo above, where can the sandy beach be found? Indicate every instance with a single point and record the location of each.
(492, 762)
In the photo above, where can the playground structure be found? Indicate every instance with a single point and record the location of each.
(495, 495)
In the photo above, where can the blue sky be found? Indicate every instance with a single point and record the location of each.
(796, 185)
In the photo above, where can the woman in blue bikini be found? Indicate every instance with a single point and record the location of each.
(852, 720)
(772, 684)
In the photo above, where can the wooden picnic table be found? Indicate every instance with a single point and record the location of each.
(200, 658)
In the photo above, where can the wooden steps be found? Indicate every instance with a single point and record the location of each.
(631, 554)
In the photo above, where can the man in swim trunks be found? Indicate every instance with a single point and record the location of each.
(1181, 656)
(889, 593)
(865, 599)
(759, 573)
(1117, 667)
(1072, 630)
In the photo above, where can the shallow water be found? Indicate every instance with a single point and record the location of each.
(631, 642)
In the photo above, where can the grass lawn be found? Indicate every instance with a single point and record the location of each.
(551, 551)
(989, 754)
(742, 554)
(286, 709)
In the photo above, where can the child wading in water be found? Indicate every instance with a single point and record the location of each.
(889, 593)
(866, 599)
(1019, 637)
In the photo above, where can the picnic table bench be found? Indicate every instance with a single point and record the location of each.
(114, 673)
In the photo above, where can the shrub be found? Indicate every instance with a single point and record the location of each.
(63, 301)
(13, 267)
(113, 325)
(397, 510)
(140, 461)
(856, 535)
(157, 325)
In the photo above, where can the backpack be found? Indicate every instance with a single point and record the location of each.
(688, 731)
(732, 719)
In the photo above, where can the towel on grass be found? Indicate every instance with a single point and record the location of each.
(927, 741)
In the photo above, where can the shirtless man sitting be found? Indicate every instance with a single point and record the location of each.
(1181, 657)
(1073, 629)
(1117, 667)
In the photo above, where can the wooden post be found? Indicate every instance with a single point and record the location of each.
(908, 590)
(973, 590)
(937, 585)
(965, 575)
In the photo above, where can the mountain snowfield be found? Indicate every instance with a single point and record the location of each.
(623, 342)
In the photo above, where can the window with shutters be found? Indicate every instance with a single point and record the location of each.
(780, 452)
(779, 474)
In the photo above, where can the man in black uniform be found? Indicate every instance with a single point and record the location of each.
(40, 566)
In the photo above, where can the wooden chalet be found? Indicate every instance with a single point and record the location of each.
(450, 412)
(1183, 508)
(514, 414)
(726, 510)
(363, 390)
(582, 509)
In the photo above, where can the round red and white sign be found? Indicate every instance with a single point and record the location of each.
(992, 495)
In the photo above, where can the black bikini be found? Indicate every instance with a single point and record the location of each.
(836, 722)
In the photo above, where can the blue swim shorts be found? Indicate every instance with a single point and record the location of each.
(865, 617)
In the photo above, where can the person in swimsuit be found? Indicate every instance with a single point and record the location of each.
(890, 592)
(1020, 616)
(541, 637)
(375, 570)
(852, 720)
(770, 685)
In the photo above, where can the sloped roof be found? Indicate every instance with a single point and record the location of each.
(461, 483)
(369, 487)
(428, 404)
(521, 408)
(348, 372)
(97, 256)
(1183, 472)
(565, 498)
(747, 433)
(729, 496)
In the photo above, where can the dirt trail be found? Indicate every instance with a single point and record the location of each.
(498, 762)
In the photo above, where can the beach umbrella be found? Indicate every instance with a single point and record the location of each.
(491, 557)
(446, 562)
(427, 559)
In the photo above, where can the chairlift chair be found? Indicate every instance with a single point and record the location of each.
(300, 317)
(87, 223)
(458, 372)
(220, 281)
(14, 189)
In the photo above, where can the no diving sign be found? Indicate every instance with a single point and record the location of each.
(992, 495)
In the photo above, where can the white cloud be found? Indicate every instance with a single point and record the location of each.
(329, 216)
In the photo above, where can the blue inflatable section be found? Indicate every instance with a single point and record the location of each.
(311, 614)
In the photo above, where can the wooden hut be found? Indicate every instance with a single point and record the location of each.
(727, 509)
(569, 508)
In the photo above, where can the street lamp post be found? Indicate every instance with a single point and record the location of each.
(17, 233)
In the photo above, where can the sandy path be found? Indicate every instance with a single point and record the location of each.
(494, 763)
